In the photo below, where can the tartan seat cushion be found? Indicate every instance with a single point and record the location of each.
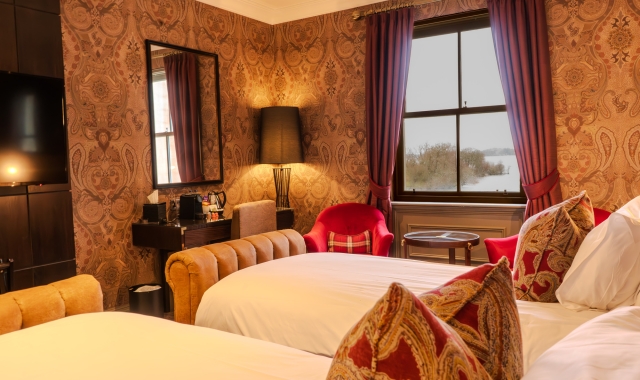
(400, 338)
(480, 306)
(360, 243)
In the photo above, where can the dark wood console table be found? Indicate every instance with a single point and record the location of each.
(184, 234)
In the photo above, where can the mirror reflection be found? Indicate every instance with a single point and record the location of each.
(185, 115)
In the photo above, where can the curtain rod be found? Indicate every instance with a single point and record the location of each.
(357, 15)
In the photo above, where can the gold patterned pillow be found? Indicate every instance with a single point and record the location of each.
(481, 307)
(547, 244)
(400, 338)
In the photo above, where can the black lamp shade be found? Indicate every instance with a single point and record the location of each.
(280, 141)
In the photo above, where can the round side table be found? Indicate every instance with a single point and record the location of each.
(442, 239)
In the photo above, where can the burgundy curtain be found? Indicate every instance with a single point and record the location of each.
(182, 84)
(519, 30)
(388, 51)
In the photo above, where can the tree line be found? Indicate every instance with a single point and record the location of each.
(433, 167)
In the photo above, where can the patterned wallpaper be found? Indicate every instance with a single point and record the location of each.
(596, 79)
(316, 64)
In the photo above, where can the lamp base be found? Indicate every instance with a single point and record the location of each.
(282, 176)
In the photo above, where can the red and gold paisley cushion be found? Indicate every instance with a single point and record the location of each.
(480, 306)
(547, 244)
(360, 243)
(400, 338)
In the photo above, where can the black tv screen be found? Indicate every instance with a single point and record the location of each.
(33, 137)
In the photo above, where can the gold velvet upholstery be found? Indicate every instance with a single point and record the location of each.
(253, 218)
(190, 273)
(30, 307)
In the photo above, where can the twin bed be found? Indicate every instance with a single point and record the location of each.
(68, 337)
(310, 301)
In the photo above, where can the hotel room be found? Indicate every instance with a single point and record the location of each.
(325, 189)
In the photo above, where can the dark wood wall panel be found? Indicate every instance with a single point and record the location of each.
(36, 222)
(55, 272)
(49, 188)
(22, 279)
(51, 6)
(14, 231)
(51, 221)
(39, 36)
(8, 52)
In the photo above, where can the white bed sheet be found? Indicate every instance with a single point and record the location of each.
(606, 347)
(310, 301)
(130, 346)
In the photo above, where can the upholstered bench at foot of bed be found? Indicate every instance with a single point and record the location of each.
(191, 272)
(30, 307)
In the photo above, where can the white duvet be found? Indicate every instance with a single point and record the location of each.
(310, 301)
(606, 347)
(130, 346)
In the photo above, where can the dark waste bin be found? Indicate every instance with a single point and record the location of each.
(146, 302)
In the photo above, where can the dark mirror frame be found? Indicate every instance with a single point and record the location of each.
(148, 44)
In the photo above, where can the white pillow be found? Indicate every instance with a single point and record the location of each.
(605, 347)
(605, 272)
(631, 209)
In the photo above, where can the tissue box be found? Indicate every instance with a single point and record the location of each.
(154, 212)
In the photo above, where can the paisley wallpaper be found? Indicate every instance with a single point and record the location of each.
(595, 58)
(316, 64)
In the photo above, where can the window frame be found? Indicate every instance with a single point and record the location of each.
(432, 27)
(159, 75)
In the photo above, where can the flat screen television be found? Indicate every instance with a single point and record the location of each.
(33, 136)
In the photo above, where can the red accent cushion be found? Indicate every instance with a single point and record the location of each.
(480, 305)
(400, 338)
(547, 244)
(360, 243)
(600, 215)
(498, 248)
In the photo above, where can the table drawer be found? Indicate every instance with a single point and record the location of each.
(204, 236)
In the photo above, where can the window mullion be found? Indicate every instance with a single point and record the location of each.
(167, 142)
(458, 187)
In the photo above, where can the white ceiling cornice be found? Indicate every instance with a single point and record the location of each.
(278, 11)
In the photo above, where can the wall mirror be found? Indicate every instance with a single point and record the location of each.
(184, 112)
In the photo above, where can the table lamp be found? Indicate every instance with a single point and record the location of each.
(280, 144)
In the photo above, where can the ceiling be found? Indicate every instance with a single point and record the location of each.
(279, 11)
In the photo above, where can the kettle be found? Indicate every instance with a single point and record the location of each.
(218, 198)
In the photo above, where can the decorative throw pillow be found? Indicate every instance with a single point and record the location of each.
(360, 243)
(480, 305)
(547, 244)
(400, 338)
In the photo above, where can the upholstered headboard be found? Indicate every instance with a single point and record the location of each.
(25, 308)
(190, 273)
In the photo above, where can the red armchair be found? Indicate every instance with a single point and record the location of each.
(350, 219)
(499, 247)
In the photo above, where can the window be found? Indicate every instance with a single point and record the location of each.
(455, 141)
(167, 169)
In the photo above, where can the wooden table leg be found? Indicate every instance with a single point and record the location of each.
(467, 256)
(452, 256)
(405, 246)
